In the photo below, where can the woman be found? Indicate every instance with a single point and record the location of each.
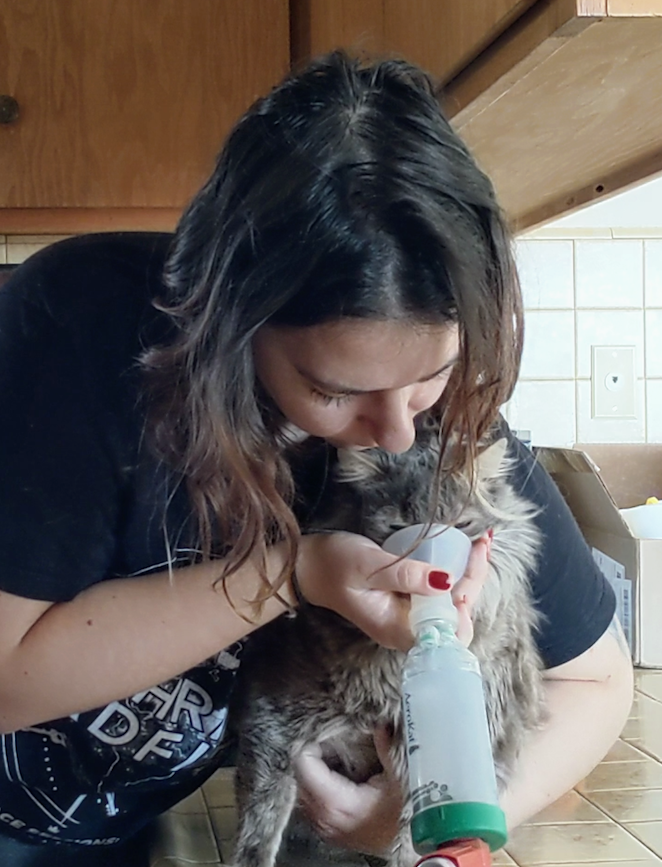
(345, 269)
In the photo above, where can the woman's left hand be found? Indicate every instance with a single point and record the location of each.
(364, 816)
(359, 816)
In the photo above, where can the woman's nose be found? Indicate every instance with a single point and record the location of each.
(392, 422)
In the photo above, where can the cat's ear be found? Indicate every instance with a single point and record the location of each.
(489, 462)
(358, 466)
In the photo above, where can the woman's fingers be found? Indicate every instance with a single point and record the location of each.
(468, 588)
(356, 578)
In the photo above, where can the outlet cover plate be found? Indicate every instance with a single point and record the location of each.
(613, 382)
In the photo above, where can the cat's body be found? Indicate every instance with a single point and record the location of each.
(315, 678)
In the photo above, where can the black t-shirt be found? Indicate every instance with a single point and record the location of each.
(576, 601)
(82, 500)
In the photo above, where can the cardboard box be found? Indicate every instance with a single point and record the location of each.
(596, 480)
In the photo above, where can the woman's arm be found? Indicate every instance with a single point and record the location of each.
(124, 635)
(588, 699)
(114, 639)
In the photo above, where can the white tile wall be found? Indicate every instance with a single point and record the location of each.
(549, 345)
(654, 411)
(599, 282)
(21, 247)
(609, 273)
(547, 409)
(653, 272)
(546, 273)
(654, 342)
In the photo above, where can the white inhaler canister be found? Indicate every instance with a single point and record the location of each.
(452, 779)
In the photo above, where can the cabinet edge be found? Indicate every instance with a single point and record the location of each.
(71, 221)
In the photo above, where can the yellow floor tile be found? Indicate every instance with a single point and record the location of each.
(651, 745)
(195, 803)
(534, 845)
(632, 732)
(649, 833)
(645, 734)
(630, 805)
(624, 752)
(166, 861)
(570, 808)
(649, 682)
(224, 823)
(649, 861)
(219, 789)
(502, 859)
(623, 775)
(643, 704)
(187, 837)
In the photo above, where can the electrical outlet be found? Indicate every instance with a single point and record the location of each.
(613, 382)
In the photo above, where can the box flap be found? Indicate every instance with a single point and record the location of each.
(584, 490)
(593, 480)
(632, 472)
(650, 602)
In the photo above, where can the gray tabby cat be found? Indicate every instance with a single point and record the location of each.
(315, 678)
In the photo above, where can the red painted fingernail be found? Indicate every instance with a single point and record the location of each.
(490, 534)
(439, 580)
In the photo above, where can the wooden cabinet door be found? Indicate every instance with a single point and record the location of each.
(439, 35)
(125, 103)
(443, 36)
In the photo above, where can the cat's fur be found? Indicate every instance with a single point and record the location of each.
(317, 678)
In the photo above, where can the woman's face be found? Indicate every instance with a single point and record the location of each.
(356, 382)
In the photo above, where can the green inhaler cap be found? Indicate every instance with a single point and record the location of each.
(465, 820)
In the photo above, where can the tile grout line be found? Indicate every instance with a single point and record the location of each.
(611, 818)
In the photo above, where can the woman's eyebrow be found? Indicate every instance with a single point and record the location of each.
(336, 388)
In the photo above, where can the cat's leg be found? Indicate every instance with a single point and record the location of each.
(402, 852)
(266, 795)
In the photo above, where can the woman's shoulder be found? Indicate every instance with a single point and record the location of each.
(574, 599)
(89, 248)
(85, 266)
(526, 473)
(90, 284)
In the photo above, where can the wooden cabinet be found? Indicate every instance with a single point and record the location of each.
(559, 100)
(125, 103)
(442, 36)
(565, 107)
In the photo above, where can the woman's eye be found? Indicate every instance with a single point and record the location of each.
(328, 399)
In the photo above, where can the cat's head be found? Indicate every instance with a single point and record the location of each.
(383, 492)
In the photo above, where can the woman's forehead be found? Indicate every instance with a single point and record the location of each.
(366, 355)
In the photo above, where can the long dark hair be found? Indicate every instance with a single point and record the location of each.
(343, 193)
